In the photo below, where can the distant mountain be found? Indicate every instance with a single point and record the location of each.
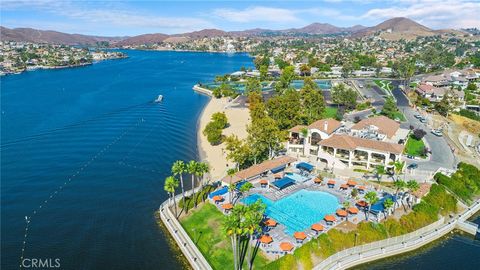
(397, 28)
(47, 36)
(394, 29)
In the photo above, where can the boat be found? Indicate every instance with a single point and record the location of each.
(159, 99)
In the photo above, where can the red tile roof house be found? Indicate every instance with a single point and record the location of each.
(329, 143)
(436, 94)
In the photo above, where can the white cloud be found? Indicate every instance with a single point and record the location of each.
(109, 13)
(434, 14)
(257, 14)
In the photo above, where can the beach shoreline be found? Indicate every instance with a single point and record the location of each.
(215, 155)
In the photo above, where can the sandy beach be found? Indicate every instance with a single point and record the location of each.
(238, 119)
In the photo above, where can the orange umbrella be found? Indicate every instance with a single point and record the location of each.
(217, 198)
(344, 186)
(286, 246)
(266, 239)
(317, 180)
(277, 176)
(330, 218)
(341, 213)
(353, 210)
(331, 182)
(362, 203)
(271, 223)
(263, 181)
(362, 187)
(351, 183)
(227, 206)
(300, 235)
(317, 227)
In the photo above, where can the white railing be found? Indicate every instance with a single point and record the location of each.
(364, 253)
(188, 248)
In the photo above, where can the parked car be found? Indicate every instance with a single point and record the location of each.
(418, 116)
(412, 166)
(437, 132)
(423, 120)
(410, 157)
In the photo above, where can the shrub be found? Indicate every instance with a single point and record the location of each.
(419, 133)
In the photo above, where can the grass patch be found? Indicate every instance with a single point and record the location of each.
(385, 85)
(415, 147)
(400, 116)
(465, 182)
(200, 196)
(330, 112)
(204, 226)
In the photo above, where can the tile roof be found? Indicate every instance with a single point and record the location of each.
(258, 169)
(331, 125)
(351, 143)
(297, 128)
(384, 124)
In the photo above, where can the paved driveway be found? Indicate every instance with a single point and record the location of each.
(442, 155)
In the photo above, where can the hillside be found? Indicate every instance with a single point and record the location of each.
(397, 28)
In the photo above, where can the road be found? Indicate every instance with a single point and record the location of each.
(442, 155)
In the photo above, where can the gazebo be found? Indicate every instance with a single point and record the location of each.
(353, 210)
(362, 204)
(270, 222)
(351, 183)
(331, 183)
(344, 186)
(264, 183)
(317, 180)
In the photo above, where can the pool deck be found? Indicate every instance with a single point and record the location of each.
(278, 233)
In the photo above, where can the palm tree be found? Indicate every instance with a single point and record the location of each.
(346, 205)
(170, 185)
(178, 168)
(232, 228)
(397, 168)
(387, 204)
(203, 168)
(192, 169)
(379, 171)
(371, 198)
(304, 135)
(231, 189)
(412, 186)
(399, 185)
(253, 217)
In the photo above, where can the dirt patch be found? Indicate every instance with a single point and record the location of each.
(346, 226)
(467, 123)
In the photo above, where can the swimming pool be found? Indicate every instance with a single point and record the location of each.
(299, 210)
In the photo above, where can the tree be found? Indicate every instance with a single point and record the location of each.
(406, 69)
(387, 205)
(390, 108)
(304, 70)
(285, 109)
(419, 133)
(399, 185)
(220, 119)
(178, 168)
(252, 85)
(412, 187)
(263, 137)
(312, 100)
(231, 190)
(263, 72)
(203, 168)
(397, 168)
(288, 73)
(169, 186)
(304, 134)
(342, 95)
(232, 228)
(192, 169)
(253, 217)
(371, 198)
(213, 133)
(443, 107)
(347, 69)
(238, 151)
(346, 205)
(379, 171)
(259, 61)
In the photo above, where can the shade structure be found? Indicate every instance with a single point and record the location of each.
(277, 176)
(270, 223)
(330, 218)
(341, 213)
(351, 183)
(284, 182)
(317, 180)
(217, 198)
(362, 203)
(266, 239)
(343, 186)
(362, 187)
(353, 210)
(331, 182)
(227, 206)
(317, 227)
(305, 166)
(286, 246)
(263, 181)
(300, 235)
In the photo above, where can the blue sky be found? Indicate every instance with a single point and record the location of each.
(119, 18)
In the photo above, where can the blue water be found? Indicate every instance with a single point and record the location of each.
(92, 139)
(299, 210)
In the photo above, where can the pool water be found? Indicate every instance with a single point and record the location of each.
(323, 84)
(299, 210)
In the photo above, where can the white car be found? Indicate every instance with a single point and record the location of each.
(437, 133)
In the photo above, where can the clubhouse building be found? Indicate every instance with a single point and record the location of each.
(369, 143)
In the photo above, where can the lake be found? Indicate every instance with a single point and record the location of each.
(84, 153)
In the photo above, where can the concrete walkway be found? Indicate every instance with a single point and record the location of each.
(189, 249)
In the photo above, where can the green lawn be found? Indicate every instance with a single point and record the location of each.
(385, 85)
(414, 147)
(400, 116)
(330, 112)
(204, 226)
